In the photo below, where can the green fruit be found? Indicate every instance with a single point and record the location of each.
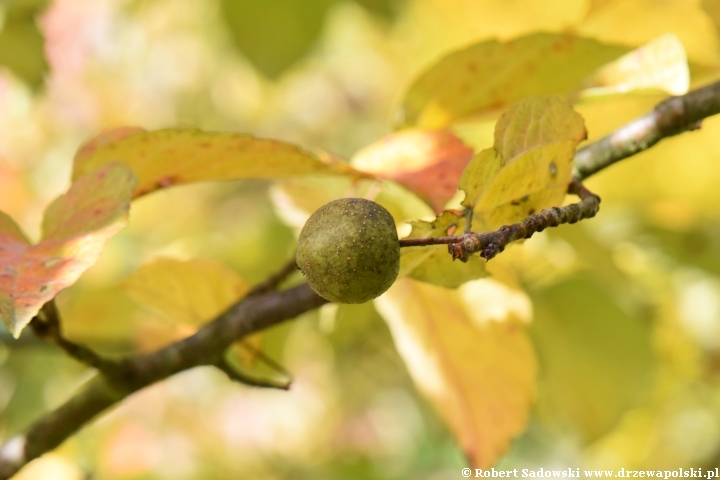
(349, 250)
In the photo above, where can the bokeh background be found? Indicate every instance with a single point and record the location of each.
(625, 308)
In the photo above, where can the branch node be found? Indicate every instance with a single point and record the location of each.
(47, 325)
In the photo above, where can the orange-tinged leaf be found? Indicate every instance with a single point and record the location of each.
(660, 64)
(164, 158)
(530, 166)
(103, 139)
(491, 75)
(427, 162)
(468, 352)
(10, 233)
(76, 227)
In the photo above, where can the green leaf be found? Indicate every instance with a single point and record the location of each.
(76, 227)
(22, 46)
(597, 360)
(433, 264)
(468, 353)
(164, 158)
(274, 34)
(491, 75)
(530, 166)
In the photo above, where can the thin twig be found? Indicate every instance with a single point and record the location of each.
(489, 244)
(274, 280)
(47, 325)
(424, 242)
(205, 347)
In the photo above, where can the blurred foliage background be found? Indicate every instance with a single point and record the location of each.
(625, 307)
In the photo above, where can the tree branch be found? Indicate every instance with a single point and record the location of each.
(205, 347)
(274, 280)
(264, 308)
(489, 244)
(670, 117)
(47, 325)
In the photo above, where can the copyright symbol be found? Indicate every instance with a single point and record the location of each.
(466, 472)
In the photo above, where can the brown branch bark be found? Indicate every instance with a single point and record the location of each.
(47, 325)
(489, 244)
(670, 117)
(265, 308)
(205, 347)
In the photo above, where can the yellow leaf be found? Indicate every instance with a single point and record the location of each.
(660, 64)
(535, 122)
(164, 158)
(81, 308)
(529, 167)
(76, 227)
(635, 22)
(189, 292)
(468, 352)
(479, 174)
(491, 75)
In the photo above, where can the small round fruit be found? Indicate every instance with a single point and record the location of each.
(349, 250)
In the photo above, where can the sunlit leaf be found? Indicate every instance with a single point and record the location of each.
(102, 140)
(75, 229)
(470, 355)
(81, 308)
(479, 175)
(21, 42)
(296, 199)
(530, 165)
(189, 293)
(619, 21)
(660, 64)
(712, 8)
(597, 359)
(164, 158)
(428, 162)
(433, 264)
(491, 75)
